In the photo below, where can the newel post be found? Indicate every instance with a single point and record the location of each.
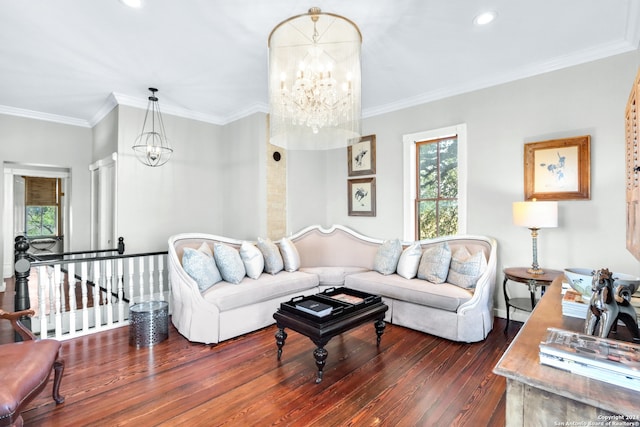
(120, 245)
(22, 267)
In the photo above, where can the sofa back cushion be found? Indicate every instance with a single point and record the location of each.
(337, 248)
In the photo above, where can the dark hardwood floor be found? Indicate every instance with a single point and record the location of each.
(412, 379)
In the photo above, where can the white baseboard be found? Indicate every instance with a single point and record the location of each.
(517, 315)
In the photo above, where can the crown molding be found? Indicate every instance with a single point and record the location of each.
(137, 102)
(38, 115)
(587, 55)
(259, 107)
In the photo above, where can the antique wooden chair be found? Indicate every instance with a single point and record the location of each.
(25, 368)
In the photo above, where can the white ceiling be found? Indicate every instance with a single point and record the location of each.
(72, 61)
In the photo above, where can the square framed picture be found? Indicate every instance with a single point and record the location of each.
(361, 156)
(362, 196)
(558, 169)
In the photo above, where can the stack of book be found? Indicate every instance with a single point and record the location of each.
(314, 307)
(612, 361)
(574, 305)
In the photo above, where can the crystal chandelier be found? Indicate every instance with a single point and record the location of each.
(314, 82)
(151, 146)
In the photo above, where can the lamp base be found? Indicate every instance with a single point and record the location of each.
(535, 271)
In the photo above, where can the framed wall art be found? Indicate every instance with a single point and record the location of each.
(361, 156)
(362, 196)
(558, 169)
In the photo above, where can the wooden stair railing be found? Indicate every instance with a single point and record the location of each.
(77, 296)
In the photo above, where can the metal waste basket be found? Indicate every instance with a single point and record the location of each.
(148, 323)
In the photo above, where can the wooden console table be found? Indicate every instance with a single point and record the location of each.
(540, 395)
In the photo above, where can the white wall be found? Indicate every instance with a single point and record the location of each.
(308, 183)
(38, 142)
(184, 195)
(105, 136)
(586, 99)
(242, 173)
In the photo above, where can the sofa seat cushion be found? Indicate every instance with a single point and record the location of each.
(333, 276)
(444, 296)
(227, 296)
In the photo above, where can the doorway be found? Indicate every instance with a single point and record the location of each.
(14, 222)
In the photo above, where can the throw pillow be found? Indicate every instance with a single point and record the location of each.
(272, 259)
(434, 263)
(229, 262)
(252, 259)
(387, 257)
(201, 267)
(409, 261)
(205, 249)
(290, 255)
(466, 269)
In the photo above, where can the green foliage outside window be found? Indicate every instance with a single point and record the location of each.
(437, 202)
(41, 221)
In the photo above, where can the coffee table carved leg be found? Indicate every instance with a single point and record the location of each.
(281, 336)
(320, 354)
(380, 325)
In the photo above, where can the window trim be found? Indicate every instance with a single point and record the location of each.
(409, 175)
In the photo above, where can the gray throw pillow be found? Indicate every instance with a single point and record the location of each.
(201, 267)
(229, 263)
(252, 259)
(434, 264)
(290, 255)
(409, 261)
(466, 269)
(272, 259)
(387, 257)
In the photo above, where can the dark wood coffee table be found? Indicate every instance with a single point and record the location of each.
(320, 330)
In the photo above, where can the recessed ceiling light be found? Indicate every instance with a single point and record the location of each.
(484, 18)
(136, 4)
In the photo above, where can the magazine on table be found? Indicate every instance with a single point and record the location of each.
(314, 307)
(350, 299)
(615, 356)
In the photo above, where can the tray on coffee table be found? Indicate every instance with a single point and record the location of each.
(342, 301)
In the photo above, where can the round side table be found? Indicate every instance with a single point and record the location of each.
(521, 275)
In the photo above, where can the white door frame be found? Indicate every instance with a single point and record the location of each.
(7, 224)
(94, 226)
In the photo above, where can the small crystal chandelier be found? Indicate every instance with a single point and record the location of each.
(314, 82)
(151, 146)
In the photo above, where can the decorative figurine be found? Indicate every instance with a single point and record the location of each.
(610, 302)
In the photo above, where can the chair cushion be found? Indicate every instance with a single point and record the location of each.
(24, 370)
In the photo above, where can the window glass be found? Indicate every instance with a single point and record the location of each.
(42, 221)
(437, 187)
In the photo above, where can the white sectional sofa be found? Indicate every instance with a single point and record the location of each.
(334, 257)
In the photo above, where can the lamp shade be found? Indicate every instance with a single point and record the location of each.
(535, 214)
(314, 82)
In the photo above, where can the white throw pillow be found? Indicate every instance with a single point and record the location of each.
(466, 269)
(205, 249)
(201, 267)
(290, 255)
(272, 259)
(252, 259)
(229, 263)
(434, 263)
(387, 257)
(409, 261)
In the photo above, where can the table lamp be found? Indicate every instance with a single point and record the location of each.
(535, 215)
